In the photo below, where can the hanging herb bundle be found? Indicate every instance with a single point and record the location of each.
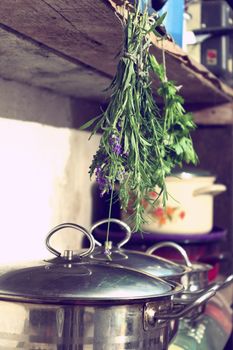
(140, 144)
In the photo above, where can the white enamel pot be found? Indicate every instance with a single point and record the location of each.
(190, 205)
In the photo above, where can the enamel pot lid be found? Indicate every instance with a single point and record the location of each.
(75, 279)
(149, 264)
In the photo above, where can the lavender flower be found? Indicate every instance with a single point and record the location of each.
(101, 180)
(114, 142)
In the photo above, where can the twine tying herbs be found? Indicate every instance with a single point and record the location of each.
(130, 56)
(140, 142)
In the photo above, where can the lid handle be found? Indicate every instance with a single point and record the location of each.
(76, 227)
(176, 246)
(116, 221)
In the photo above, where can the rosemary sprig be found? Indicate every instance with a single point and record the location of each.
(140, 144)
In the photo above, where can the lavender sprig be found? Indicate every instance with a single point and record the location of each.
(114, 142)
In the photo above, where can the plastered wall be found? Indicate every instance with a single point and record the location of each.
(44, 164)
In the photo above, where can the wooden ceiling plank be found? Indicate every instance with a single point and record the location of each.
(222, 114)
(95, 41)
(89, 32)
(27, 62)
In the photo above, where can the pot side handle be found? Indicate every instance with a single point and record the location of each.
(222, 284)
(189, 305)
(214, 286)
(213, 190)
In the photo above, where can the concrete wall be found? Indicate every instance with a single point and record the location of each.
(44, 178)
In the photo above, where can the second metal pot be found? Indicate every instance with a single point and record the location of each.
(197, 282)
(146, 263)
(197, 275)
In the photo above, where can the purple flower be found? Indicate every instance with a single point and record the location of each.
(101, 180)
(114, 142)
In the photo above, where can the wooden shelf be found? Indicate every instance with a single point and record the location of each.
(76, 45)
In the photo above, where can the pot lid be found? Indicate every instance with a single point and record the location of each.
(149, 264)
(69, 279)
(79, 282)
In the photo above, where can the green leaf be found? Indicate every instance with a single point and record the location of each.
(126, 143)
(161, 19)
(157, 23)
(144, 142)
(133, 142)
(89, 123)
(156, 67)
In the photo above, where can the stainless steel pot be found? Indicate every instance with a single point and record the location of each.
(197, 275)
(197, 281)
(67, 303)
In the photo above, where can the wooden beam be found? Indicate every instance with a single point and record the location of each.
(216, 115)
(83, 29)
(90, 34)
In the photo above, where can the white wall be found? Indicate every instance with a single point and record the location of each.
(44, 178)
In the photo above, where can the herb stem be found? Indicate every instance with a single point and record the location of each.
(109, 217)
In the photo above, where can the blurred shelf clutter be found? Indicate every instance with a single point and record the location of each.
(211, 42)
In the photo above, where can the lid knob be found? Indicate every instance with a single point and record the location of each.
(68, 254)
